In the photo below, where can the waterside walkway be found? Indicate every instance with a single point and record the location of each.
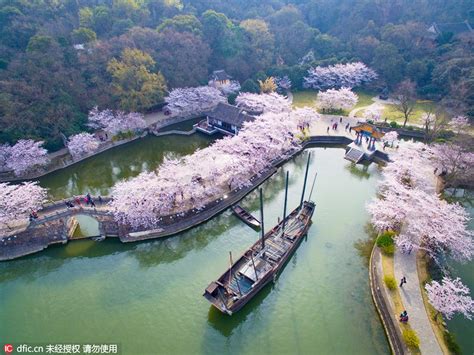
(52, 225)
(405, 266)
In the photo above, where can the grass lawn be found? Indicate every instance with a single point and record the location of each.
(304, 98)
(421, 107)
(308, 97)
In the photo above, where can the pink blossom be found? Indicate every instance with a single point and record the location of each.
(25, 155)
(450, 297)
(116, 122)
(340, 75)
(283, 83)
(263, 103)
(184, 101)
(408, 203)
(390, 137)
(82, 144)
(459, 123)
(18, 201)
(232, 87)
(332, 99)
(198, 179)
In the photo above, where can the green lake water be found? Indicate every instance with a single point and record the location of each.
(462, 328)
(97, 174)
(147, 296)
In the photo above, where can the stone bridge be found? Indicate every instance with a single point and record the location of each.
(55, 220)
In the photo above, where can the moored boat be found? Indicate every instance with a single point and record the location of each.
(246, 216)
(261, 263)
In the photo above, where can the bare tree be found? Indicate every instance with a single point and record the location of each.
(434, 123)
(406, 97)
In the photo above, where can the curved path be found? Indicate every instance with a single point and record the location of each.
(52, 225)
(405, 265)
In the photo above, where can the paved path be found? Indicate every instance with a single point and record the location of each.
(405, 265)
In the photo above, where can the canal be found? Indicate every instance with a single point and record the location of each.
(147, 297)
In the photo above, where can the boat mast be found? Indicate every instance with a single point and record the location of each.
(312, 186)
(262, 230)
(284, 205)
(254, 268)
(305, 180)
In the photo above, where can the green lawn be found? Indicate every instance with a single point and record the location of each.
(307, 97)
(420, 107)
(304, 98)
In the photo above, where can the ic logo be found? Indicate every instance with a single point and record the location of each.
(8, 348)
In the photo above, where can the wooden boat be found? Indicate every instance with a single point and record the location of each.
(246, 216)
(261, 263)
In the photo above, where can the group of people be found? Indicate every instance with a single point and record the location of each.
(33, 215)
(336, 124)
(88, 200)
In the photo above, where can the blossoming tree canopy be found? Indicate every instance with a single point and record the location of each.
(459, 123)
(82, 144)
(340, 75)
(25, 155)
(182, 101)
(283, 83)
(390, 137)
(450, 296)
(409, 204)
(232, 87)
(336, 99)
(17, 201)
(193, 181)
(116, 122)
(263, 103)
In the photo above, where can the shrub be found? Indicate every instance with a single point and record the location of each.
(386, 243)
(390, 282)
(394, 124)
(453, 346)
(410, 128)
(411, 339)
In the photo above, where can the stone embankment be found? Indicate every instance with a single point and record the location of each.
(52, 225)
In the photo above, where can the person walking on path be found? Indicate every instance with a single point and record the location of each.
(403, 281)
(327, 130)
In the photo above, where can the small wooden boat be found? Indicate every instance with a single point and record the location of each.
(261, 263)
(246, 216)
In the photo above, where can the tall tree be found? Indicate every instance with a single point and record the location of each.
(134, 83)
(405, 94)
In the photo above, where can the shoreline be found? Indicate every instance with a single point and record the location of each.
(112, 229)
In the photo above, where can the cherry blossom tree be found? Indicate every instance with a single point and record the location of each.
(455, 163)
(408, 204)
(459, 123)
(232, 87)
(25, 155)
(197, 180)
(373, 113)
(17, 201)
(82, 144)
(284, 83)
(185, 101)
(390, 137)
(334, 100)
(449, 297)
(263, 103)
(116, 122)
(340, 75)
